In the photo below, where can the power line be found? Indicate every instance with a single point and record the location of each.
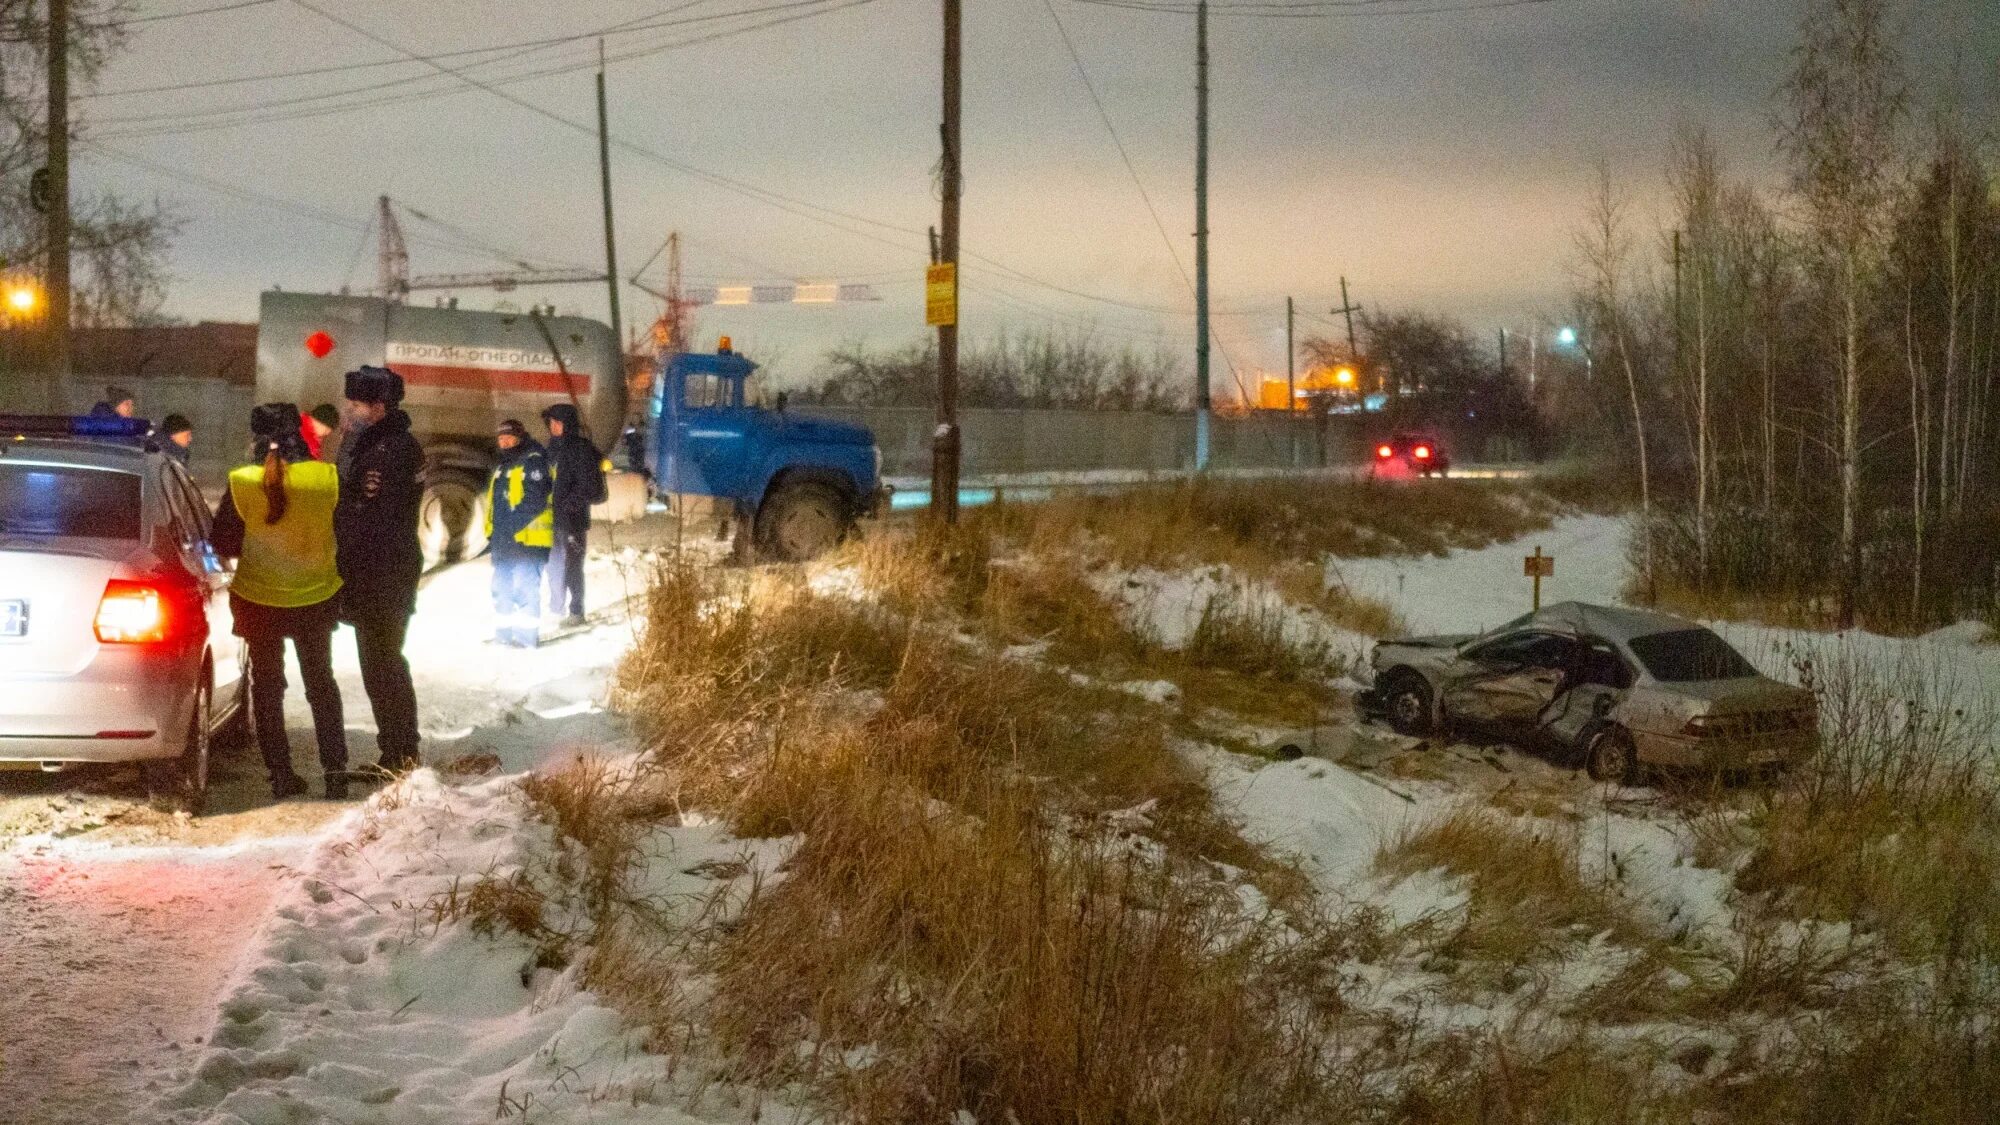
(652, 21)
(249, 112)
(129, 20)
(1104, 115)
(1316, 9)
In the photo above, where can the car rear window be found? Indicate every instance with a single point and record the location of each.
(1686, 656)
(52, 500)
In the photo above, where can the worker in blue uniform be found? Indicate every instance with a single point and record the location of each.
(520, 527)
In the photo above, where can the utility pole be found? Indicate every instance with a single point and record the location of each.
(1291, 386)
(945, 443)
(1201, 396)
(610, 239)
(58, 261)
(1503, 352)
(1348, 309)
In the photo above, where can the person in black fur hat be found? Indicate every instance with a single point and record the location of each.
(381, 490)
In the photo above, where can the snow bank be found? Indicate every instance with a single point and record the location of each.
(354, 1005)
(1168, 606)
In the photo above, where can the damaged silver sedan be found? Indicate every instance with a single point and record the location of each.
(1616, 689)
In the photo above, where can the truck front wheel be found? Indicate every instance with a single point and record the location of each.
(802, 521)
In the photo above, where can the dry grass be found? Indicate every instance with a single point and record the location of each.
(1894, 826)
(1004, 888)
(1257, 523)
(1529, 895)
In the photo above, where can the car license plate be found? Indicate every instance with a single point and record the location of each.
(13, 618)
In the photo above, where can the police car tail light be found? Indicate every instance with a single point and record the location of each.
(132, 613)
(1384, 452)
(1423, 453)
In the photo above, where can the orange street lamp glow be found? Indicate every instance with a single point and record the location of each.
(1344, 376)
(21, 299)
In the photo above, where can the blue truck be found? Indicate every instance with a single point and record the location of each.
(794, 485)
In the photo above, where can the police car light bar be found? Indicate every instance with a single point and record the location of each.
(74, 426)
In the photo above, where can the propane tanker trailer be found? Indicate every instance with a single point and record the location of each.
(792, 485)
(463, 372)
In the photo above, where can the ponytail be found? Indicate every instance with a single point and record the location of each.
(275, 499)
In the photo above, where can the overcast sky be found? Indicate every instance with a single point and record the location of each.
(1438, 161)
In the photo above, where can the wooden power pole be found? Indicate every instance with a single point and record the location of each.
(1201, 394)
(610, 238)
(1291, 386)
(945, 442)
(58, 260)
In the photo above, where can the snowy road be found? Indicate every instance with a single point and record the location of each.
(119, 926)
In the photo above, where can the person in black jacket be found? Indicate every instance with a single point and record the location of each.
(179, 435)
(578, 469)
(381, 489)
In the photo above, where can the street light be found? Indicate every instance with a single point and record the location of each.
(22, 298)
(1566, 336)
(1344, 376)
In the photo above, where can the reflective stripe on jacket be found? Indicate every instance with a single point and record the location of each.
(289, 563)
(520, 512)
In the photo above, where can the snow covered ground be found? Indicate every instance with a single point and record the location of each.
(119, 927)
(343, 996)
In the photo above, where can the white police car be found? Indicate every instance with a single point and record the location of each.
(114, 611)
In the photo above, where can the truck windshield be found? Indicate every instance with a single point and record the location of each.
(68, 500)
(1685, 656)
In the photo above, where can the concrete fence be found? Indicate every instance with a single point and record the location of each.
(1026, 441)
(996, 441)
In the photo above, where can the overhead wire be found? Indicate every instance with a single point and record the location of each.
(652, 21)
(260, 112)
(1316, 9)
(212, 9)
(1104, 115)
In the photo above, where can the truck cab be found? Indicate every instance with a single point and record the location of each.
(795, 484)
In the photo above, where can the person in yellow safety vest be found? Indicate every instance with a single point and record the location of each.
(520, 528)
(277, 520)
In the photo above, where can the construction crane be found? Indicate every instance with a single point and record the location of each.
(396, 283)
(678, 300)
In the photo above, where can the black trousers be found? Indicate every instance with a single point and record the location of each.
(565, 571)
(385, 673)
(267, 698)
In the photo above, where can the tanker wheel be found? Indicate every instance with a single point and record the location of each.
(452, 521)
(802, 521)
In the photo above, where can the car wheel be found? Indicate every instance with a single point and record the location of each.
(180, 784)
(1612, 758)
(802, 522)
(1409, 704)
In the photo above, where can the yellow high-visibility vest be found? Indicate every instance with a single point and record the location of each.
(539, 531)
(289, 563)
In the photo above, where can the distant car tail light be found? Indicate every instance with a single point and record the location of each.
(1385, 451)
(133, 613)
(1423, 453)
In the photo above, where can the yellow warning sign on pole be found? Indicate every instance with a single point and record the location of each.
(941, 294)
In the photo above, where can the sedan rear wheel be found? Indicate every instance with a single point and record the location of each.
(1612, 758)
(180, 784)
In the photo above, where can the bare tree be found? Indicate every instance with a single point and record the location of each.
(121, 247)
(1604, 248)
(1845, 102)
(1694, 173)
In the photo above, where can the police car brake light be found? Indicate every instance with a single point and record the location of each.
(132, 613)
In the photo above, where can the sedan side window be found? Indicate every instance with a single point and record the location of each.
(179, 519)
(197, 505)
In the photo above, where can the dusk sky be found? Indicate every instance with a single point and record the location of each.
(1439, 161)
